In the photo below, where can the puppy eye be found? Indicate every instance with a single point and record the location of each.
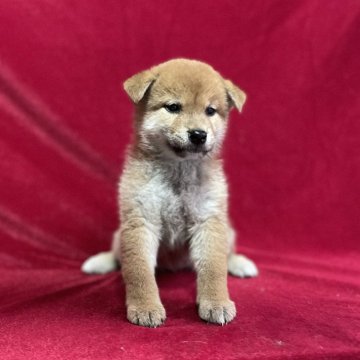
(173, 108)
(210, 111)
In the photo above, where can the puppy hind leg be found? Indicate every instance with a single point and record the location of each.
(103, 262)
(239, 265)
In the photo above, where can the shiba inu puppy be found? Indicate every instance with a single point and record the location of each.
(173, 193)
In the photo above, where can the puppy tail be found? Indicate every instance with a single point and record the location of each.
(101, 263)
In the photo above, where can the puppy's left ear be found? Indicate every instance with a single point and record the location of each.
(137, 85)
(236, 96)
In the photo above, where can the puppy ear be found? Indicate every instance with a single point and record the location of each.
(236, 96)
(137, 85)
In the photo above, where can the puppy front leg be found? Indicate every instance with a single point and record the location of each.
(209, 250)
(138, 252)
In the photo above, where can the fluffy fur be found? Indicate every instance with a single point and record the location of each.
(173, 194)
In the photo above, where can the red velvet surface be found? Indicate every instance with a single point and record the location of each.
(292, 160)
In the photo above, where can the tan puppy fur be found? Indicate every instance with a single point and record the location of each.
(173, 192)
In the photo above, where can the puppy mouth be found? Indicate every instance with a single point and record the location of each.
(182, 151)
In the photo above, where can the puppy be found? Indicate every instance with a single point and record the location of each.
(173, 192)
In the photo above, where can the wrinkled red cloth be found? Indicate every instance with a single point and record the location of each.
(292, 158)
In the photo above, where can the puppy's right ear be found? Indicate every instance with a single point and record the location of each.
(137, 85)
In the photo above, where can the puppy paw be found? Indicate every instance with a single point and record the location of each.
(241, 266)
(217, 312)
(150, 315)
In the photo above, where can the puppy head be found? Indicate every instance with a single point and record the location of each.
(182, 108)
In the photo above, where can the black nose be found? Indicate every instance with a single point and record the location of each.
(197, 136)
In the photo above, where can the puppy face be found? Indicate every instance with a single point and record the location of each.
(182, 108)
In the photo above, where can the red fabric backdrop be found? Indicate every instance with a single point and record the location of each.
(292, 159)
